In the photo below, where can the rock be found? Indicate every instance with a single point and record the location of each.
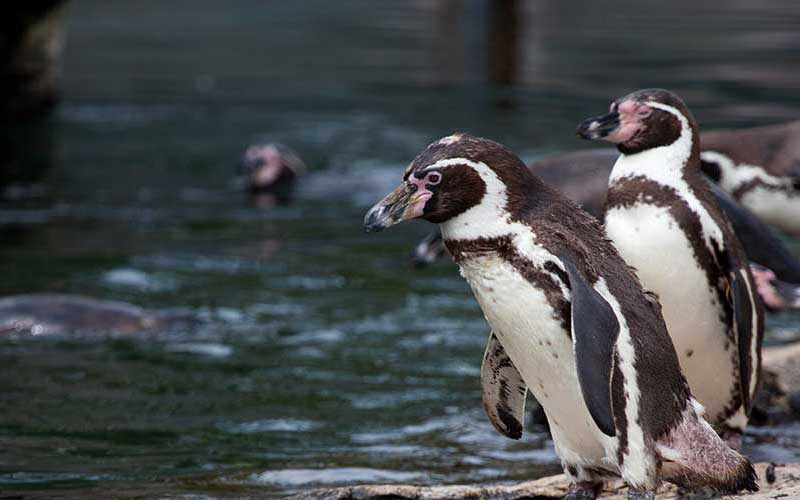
(56, 314)
(786, 485)
(781, 376)
(777, 400)
(770, 404)
(784, 361)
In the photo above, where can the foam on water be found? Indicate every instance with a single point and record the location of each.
(335, 475)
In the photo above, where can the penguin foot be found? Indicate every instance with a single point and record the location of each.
(583, 490)
(641, 495)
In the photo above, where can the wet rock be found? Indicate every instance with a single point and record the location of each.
(778, 399)
(776, 402)
(770, 404)
(56, 314)
(784, 361)
(784, 485)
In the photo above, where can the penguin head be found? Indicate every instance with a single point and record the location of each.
(269, 167)
(642, 120)
(450, 176)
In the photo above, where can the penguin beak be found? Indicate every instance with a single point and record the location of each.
(599, 127)
(404, 203)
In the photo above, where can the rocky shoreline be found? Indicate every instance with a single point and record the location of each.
(785, 485)
(780, 380)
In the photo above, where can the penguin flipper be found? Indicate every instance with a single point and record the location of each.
(503, 391)
(594, 335)
(745, 314)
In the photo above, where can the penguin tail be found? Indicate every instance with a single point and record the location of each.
(694, 456)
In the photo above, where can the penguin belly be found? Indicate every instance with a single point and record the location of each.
(532, 334)
(650, 240)
(776, 207)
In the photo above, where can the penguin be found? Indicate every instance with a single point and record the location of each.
(663, 219)
(570, 323)
(583, 177)
(760, 168)
(270, 173)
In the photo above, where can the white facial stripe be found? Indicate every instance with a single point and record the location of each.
(664, 165)
(727, 169)
(490, 219)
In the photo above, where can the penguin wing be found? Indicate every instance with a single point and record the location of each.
(745, 317)
(594, 335)
(503, 390)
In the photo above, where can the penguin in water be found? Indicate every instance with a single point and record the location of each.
(663, 219)
(570, 322)
(270, 172)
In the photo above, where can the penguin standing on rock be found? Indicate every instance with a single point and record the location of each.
(664, 221)
(570, 322)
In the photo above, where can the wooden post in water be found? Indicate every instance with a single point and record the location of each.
(503, 44)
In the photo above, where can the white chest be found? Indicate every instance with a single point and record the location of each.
(650, 240)
(542, 350)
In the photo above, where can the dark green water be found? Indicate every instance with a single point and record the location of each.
(323, 357)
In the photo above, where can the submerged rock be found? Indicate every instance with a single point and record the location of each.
(784, 484)
(57, 314)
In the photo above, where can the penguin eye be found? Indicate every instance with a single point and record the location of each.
(612, 107)
(434, 178)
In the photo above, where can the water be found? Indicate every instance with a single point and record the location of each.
(321, 356)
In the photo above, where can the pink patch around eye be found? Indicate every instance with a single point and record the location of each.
(420, 183)
(628, 107)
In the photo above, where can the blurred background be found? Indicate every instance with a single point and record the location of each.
(310, 354)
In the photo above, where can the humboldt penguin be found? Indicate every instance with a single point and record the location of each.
(570, 322)
(663, 219)
(760, 168)
(583, 177)
(270, 172)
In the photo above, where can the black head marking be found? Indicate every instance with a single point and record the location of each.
(461, 186)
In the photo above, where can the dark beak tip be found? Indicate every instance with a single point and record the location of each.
(372, 222)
